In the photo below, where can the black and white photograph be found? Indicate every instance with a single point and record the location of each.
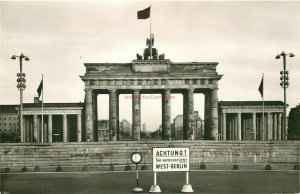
(141, 96)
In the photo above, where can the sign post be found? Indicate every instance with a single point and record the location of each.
(171, 159)
(136, 158)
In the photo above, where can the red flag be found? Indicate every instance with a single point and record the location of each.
(261, 87)
(40, 88)
(144, 14)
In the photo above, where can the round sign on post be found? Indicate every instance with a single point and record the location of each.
(136, 157)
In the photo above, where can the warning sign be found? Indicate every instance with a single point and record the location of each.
(171, 159)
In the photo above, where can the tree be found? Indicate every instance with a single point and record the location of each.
(294, 123)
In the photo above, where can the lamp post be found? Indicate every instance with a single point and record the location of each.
(284, 84)
(21, 86)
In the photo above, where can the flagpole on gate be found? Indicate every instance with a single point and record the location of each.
(150, 36)
(145, 14)
(150, 22)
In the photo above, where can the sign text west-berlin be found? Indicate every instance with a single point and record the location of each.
(170, 159)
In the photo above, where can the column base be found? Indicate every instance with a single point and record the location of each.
(137, 190)
(155, 189)
(187, 188)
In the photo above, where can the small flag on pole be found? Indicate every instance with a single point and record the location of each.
(40, 88)
(261, 87)
(144, 14)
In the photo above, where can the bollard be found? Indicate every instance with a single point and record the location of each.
(85, 168)
(127, 168)
(268, 167)
(111, 167)
(202, 166)
(58, 169)
(24, 169)
(235, 167)
(37, 169)
(6, 169)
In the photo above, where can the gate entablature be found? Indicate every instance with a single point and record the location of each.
(152, 75)
(147, 74)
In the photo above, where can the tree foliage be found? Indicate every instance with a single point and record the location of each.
(294, 124)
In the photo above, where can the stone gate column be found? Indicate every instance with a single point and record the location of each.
(136, 115)
(50, 128)
(65, 128)
(207, 96)
(191, 114)
(112, 115)
(89, 122)
(185, 131)
(279, 126)
(214, 114)
(79, 133)
(236, 127)
(117, 117)
(35, 127)
(95, 116)
(269, 136)
(224, 126)
(230, 128)
(166, 115)
(254, 131)
(275, 131)
(239, 127)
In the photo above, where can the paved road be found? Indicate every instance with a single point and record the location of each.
(124, 182)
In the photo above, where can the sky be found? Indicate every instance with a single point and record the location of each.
(60, 36)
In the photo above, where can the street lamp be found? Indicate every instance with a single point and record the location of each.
(21, 86)
(284, 84)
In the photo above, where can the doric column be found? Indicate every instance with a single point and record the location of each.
(275, 131)
(89, 121)
(261, 128)
(207, 97)
(214, 114)
(117, 117)
(50, 128)
(254, 131)
(268, 129)
(35, 128)
(279, 126)
(190, 114)
(185, 130)
(79, 133)
(136, 115)
(166, 115)
(236, 128)
(224, 126)
(22, 132)
(239, 126)
(230, 129)
(65, 128)
(95, 116)
(112, 115)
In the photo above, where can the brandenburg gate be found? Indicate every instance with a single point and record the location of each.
(149, 75)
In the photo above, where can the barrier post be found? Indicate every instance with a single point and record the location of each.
(187, 187)
(155, 188)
